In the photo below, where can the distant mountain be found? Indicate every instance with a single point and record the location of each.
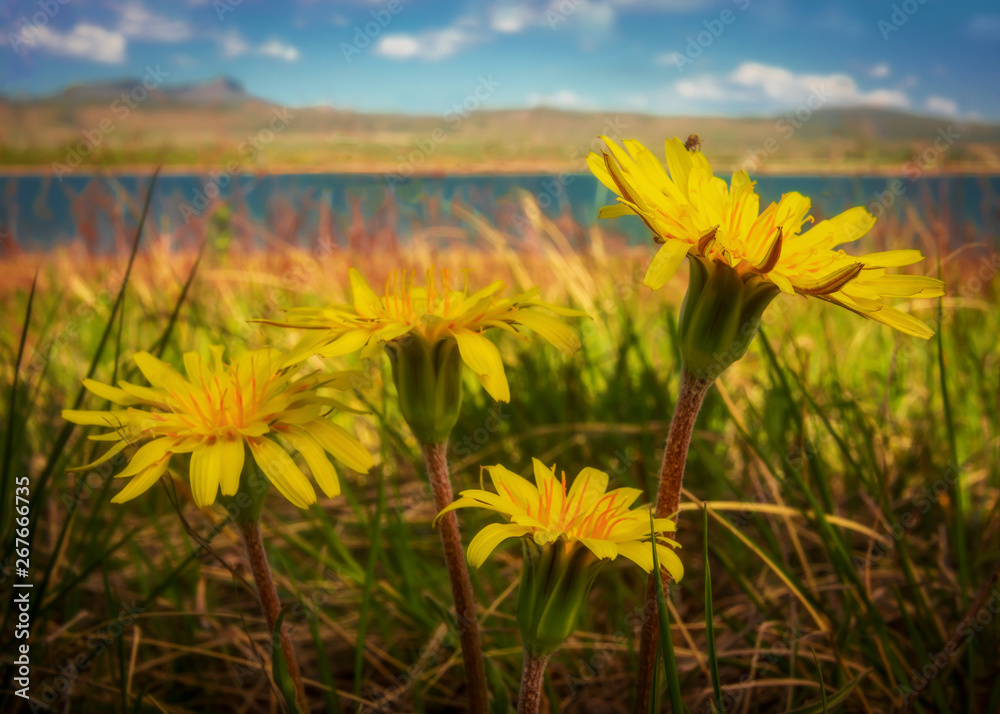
(223, 90)
(212, 123)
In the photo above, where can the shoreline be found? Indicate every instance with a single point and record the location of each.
(472, 169)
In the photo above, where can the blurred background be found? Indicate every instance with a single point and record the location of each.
(855, 471)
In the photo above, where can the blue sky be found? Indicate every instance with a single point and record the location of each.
(669, 57)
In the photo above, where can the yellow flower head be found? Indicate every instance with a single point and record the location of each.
(433, 315)
(695, 214)
(585, 515)
(216, 413)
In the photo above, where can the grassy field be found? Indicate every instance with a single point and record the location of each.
(852, 477)
(58, 134)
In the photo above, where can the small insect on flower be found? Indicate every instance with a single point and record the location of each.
(216, 414)
(586, 515)
(722, 229)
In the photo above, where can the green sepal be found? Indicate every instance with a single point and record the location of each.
(720, 316)
(428, 377)
(555, 584)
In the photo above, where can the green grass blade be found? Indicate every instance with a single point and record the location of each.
(331, 697)
(375, 538)
(63, 438)
(279, 667)
(8, 447)
(829, 704)
(161, 344)
(713, 662)
(666, 641)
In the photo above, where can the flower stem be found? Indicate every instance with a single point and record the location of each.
(458, 573)
(250, 530)
(531, 682)
(692, 394)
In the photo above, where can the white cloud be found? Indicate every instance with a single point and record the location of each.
(515, 17)
(274, 48)
(561, 99)
(880, 71)
(432, 45)
(985, 27)
(700, 89)
(137, 22)
(941, 105)
(232, 44)
(772, 87)
(84, 41)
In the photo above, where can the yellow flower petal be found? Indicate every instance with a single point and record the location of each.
(108, 455)
(588, 486)
(206, 472)
(615, 210)
(891, 258)
(143, 394)
(160, 374)
(345, 344)
(232, 454)
(280, 470)
(146, 456)
(113, 419)
(554, 331)
(489, 538)
(603, 549)
(194, 367)
(366, 302)
(112, 394)
(844, 228)
(315, 456)
(341, 444)
(520, 491)
(666, 262)
(142, 482)
(483, 359)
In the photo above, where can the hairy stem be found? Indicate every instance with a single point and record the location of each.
(668, 496)
(458, 573)
(532, 678)
(250, 530)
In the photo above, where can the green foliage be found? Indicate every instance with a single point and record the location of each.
(838, 420)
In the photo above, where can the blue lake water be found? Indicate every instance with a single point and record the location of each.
(40, 212)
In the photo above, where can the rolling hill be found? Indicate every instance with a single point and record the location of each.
(122, 124)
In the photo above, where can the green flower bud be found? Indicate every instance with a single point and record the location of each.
(555, 583)
(720, 316)
(428, 377)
